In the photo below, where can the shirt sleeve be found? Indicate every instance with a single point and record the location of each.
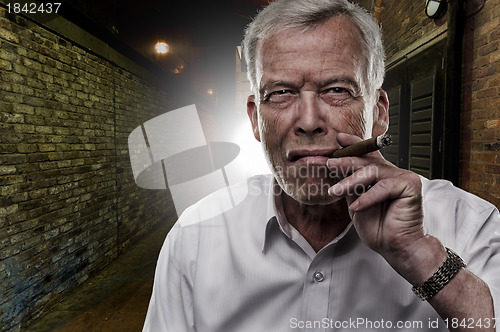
(482, 252)
(470, 226)
(171, 305)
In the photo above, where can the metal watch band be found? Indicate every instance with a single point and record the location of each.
(441, 277)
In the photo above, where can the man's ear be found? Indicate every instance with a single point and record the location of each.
(381, 114)
(253, 116)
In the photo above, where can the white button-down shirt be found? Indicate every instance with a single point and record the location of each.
(248, 269)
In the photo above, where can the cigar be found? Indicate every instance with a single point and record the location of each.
(363, 147)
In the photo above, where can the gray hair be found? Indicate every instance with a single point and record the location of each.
(305, 14)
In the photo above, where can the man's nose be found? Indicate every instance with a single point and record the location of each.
(310, 118)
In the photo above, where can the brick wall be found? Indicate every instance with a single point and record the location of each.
(403, 23)
(481, 117)
(406, 28)
(68, 201)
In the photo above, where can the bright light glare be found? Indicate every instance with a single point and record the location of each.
(162, 48)
(251, 154)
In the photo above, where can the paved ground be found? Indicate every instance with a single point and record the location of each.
(114, 300)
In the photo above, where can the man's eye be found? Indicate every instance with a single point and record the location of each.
(279, 93)
(337, 90)
(280, 96)
(336, 95)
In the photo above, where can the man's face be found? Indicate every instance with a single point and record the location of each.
(311, 87)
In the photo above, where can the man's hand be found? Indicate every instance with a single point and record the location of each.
(385, 204)
(388, 216)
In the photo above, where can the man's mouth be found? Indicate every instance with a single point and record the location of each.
(316, 155)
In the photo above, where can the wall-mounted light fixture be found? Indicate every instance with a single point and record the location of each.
(435, 8)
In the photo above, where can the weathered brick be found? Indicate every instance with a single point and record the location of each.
(6, 86)
(23, 109)
(12, 118)
(27, 148)
(13, 159)
(22, 89)
(8, 148)
(30, 63)
(5, 65)
(44, 130)
(24, 71)
(8, 169)
(34, 101)
(24, 129)
(12, 77)
(488, 49)
(8, 54)
(8, 210)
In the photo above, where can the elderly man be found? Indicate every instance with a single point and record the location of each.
(307, 249)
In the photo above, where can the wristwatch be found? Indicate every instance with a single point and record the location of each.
(441, 277)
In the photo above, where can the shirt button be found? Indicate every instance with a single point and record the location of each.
(318, 277)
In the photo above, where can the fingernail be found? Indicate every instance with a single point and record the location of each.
(336, 190)
(332, 162)
(331, 191)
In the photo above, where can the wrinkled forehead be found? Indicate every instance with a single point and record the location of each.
(337, 35)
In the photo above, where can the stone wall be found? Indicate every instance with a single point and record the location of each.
(407, 30)
(68, 201)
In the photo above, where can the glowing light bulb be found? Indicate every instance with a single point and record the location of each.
(162, 48)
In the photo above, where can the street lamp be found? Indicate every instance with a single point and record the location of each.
(162, 47)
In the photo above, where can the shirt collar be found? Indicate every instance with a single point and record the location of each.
(274, 191)
(272, 213)
(276, 219)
